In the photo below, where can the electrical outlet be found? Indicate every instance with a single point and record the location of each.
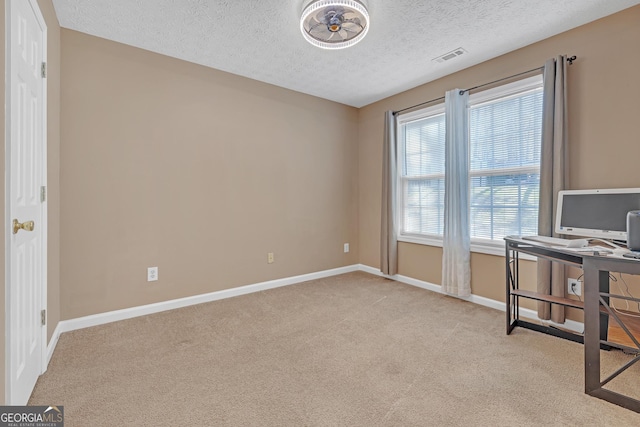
(574, 287)
(346, 248)
(152, 274)
(270, 258)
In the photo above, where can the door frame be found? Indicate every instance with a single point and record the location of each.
(7, 201)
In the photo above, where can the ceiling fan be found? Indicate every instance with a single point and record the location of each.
(334, 24)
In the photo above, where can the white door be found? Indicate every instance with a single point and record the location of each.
(25, 207)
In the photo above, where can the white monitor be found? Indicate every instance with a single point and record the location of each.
(596, 213)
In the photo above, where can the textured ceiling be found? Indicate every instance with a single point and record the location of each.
(261, 39)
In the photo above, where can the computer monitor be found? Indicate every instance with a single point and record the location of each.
(596, 213)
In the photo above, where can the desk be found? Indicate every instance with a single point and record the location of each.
(596, 308)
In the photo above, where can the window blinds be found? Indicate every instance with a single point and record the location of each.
(505, 139)
(423, 175)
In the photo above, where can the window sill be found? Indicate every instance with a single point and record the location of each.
(493, 248)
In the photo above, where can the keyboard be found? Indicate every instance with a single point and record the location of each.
(557, 241)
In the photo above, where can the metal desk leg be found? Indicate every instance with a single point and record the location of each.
(507, 258)
(593, 280)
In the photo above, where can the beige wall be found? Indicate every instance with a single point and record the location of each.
(53, 166)
(603, 138)
(199, 172)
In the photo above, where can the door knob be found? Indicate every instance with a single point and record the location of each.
(26, 226)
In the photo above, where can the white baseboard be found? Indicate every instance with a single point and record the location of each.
(52, 345)
(128, 313)
(571, 325)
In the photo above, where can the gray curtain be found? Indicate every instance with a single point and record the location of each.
(553, 178)
(389, 242)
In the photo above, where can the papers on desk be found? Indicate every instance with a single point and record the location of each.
(595, 250)
(604, 251)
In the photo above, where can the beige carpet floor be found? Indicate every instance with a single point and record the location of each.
(350, 350)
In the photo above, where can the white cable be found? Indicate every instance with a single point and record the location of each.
(626, 301)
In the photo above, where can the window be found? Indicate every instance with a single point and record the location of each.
(422, 172)
(505, 126)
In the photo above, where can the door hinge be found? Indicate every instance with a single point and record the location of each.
(43, 317)
(44, 70)
(43, 194)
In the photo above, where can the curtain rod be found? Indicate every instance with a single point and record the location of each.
(395, 113)
(499, 80)
(569, 60)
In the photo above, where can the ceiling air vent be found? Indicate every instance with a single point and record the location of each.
(450, 55)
